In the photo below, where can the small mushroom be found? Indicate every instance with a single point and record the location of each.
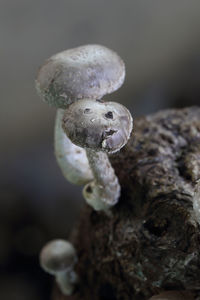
(58, 258)
(196, 201)
(100, 127)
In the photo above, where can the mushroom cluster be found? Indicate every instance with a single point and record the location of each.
(87, 128)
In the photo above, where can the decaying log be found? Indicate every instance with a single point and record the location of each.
(152, 242)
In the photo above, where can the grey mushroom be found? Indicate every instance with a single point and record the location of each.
(100, 128)
(58, 258)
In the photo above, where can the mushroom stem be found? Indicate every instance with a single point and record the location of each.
(104, 191)
(66, 281)
(71, 159)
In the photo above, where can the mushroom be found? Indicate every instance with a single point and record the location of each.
(173, 295)
(100, 128)
(89, 71)
(58, 258)
(196, 201)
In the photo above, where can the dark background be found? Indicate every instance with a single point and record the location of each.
(160, 44)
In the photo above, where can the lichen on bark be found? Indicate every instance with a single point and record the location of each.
(151, 244)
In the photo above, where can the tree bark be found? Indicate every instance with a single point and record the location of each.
(151, 244)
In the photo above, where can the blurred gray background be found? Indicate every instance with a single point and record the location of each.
(159, 42)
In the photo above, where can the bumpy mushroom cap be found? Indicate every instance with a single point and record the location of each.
(101, 126)
(57, 256)
(89, 71)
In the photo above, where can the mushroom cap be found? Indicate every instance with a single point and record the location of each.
(57, 256)
(89, 71)
(101, 126)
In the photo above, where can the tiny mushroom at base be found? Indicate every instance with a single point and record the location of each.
(58, 258)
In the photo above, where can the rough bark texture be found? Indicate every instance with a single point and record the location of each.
(152, 242)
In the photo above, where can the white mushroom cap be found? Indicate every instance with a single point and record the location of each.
(101, 126)
(89, 71)
(71, 158)
(57, 256)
